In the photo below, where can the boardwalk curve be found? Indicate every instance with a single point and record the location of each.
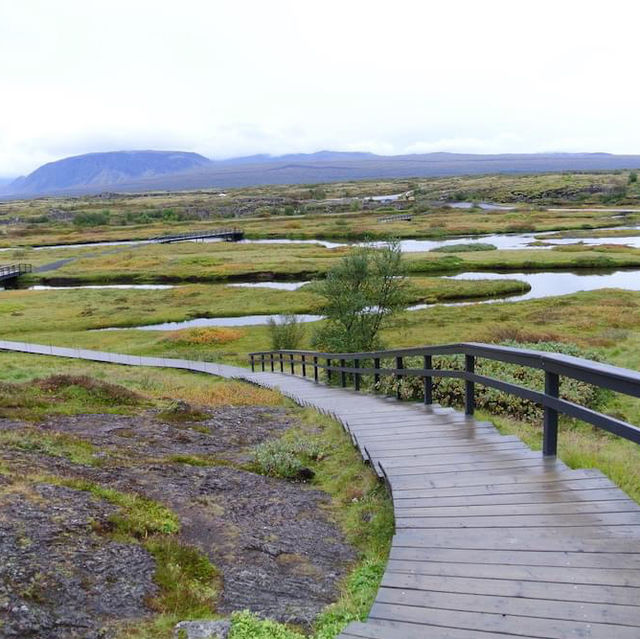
(492, 540)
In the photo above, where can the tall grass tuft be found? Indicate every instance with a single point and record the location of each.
(286, 333)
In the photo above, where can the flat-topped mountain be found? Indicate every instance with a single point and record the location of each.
(136, 171)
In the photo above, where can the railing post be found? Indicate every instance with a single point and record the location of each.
(271, 358)
(376, 365)
(262, 361)
(293, 369)
(343, 375)
(328, 371)
(356, 377)
(399, 367)
(469, 387)
(550, 432)
(281, 363)
(315, 369)
(428, 380)
(304, 367)
(253, 367)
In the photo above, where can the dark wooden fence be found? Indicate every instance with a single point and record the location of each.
(555, 367)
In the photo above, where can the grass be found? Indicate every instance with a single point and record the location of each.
(53, 444)
(464, 248)
(64, 394)
(64, 311)
(192, 263)
(157, 386)
(135, 216)
(138, 518)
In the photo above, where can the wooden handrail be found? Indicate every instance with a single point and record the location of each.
(554, 365)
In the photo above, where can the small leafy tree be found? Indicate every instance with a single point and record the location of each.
(633, 177)
(287, 333)
(362, 292)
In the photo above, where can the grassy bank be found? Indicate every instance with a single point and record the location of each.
(88, 309)
(220, 262)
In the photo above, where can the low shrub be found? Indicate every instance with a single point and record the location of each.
(286, 333)
(450, 392)
(287, 459)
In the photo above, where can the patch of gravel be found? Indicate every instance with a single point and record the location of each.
(227, 430)
(59, 579)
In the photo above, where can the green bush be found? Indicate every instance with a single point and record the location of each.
(246, 625)
(287, 333)
(450, 392)
(287, 459)
(92, 218)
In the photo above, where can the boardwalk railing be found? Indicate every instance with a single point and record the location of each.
(555, 367)
(230, 235)
(403, 217)
(14, 270)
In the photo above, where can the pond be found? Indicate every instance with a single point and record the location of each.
(551, 284)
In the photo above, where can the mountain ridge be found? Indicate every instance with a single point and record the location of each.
(131, 171)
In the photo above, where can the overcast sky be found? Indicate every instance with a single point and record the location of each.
(236, 77)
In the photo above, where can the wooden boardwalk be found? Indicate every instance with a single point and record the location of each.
(492, 540)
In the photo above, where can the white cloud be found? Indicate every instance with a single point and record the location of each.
(237, 77)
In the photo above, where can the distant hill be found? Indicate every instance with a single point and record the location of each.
(128, 171)
(96, 171)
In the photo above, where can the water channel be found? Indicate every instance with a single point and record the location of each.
(545, 284)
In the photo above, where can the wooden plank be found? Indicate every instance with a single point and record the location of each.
(543, 483)
(512, 605)
(544, 496)
(617, 577)
(522, 521)
(518, 465)
(383, 629)
(497, 622)
(508, 476)
(601, 594)
(517, 557)
(492, 510)
(580, 539)
(453, 459)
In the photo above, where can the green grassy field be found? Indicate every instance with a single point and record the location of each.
(305, 211)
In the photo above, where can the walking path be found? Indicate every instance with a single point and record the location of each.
(492, 540)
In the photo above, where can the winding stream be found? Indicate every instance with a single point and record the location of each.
(545, 284)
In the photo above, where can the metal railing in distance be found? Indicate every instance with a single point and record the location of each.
(554, 365)
(14, 270)
(231, 234)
